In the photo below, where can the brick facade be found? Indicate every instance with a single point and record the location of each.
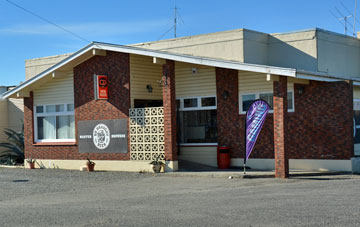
(116, 67)
(320, 128)
(169, 102)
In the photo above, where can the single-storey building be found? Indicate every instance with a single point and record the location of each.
(11, 113)
(123, 106)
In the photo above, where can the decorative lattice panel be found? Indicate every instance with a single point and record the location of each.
(147, 133)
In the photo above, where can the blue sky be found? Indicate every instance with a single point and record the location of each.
(23, 36)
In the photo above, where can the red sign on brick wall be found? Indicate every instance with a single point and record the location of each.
(102, 85)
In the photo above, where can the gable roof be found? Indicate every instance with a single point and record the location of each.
(289, 72)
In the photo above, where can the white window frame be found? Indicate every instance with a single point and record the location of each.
(257, 96)
(199, 107)
(52, 114)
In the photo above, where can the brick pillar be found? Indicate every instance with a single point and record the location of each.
(351, 117)
(169, 100)
(280, 126)
(28, 125)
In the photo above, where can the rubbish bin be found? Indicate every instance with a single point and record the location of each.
(223, 157)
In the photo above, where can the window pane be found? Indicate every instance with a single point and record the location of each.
(60, 108)
(246, 101)
(65, 127)
(178, 104)
(40, 109)
(211, 101)
(198, 126)
(268, 98)
(46, 128)
(290, 100)
(50, 108)
(70, 107)
(190, 103)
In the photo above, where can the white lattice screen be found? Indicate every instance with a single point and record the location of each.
(147, 133)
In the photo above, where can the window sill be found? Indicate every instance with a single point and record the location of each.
(54, 143)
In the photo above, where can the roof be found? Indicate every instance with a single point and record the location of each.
(80, 54)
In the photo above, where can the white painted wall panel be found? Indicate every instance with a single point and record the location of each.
(202, 155)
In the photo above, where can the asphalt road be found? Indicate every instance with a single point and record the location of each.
(73, 198)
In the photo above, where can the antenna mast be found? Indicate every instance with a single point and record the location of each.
(345, 20)
(355, 18)
(175, 16)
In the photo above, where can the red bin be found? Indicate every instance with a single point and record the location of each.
(223, 157)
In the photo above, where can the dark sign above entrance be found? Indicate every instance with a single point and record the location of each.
(107, 136)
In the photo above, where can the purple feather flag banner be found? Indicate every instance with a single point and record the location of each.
(255, 118)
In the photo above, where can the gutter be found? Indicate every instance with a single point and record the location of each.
(320, 76)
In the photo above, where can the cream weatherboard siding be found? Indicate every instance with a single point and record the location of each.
(256, 82)
(144, 72)
(189, 84)
(16, 113)
(11, 116)
(356, 92)
(58, 91)
(3, 119)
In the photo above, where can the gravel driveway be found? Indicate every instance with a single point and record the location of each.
(74, 198)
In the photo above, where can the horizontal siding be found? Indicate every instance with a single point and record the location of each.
(16, 113)
(356, 93)
(143, 72)
(202, 155)
(187, 84)
(56, 91)
(3, 120)
(256, 82)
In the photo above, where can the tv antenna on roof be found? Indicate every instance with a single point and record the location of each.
(343, 20)
(177, 19)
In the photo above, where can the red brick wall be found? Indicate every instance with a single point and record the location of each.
(320, 127)
(116, 67)
(169, 101)
(280, 117)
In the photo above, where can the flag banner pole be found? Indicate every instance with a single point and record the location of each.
(245, 144)
(254, 120)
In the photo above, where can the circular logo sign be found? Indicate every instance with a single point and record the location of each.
(101, 136)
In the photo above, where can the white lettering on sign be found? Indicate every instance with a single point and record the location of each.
(101, 135)
(85, 136)
(118, 136)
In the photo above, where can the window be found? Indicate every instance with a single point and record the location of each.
(247, 99)
(54, 123)
(197, 118)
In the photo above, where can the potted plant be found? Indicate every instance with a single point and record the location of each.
(31, 163)
(158, 165)
(90, 165)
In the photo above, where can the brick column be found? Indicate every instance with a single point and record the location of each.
(280, 126)
(28, 125)
(169, 100)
